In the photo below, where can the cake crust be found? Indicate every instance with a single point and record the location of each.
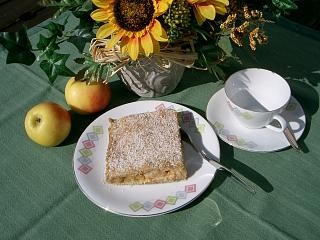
(145, 148)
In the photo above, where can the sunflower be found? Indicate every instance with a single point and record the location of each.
(132, 23)
(207, 9)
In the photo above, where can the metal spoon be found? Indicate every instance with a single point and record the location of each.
(185, 136)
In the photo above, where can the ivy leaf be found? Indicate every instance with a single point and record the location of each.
(80, 38)
(55, 29)
(284, 4)
(217, 72)
(225, 44)
(18, 46)
(79, 60)
(83, 33)
(55, 65)
(80, 75)
(87, 5)
(86, 21)
(47, 44)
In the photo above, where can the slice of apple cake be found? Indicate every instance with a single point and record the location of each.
(145, 148)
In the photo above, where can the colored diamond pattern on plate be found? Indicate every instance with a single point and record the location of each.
(201, 127)
(161, 106)
(92, 136)
(218, 125)
(171, 200)
(136, 206)
(225, 134)
(85, 168)
(232, 138)
(181, 194)
(84, 160)
(241, 142)
(86, 152)
(190, 188)
(148, 206)
(88, 144)
(98, 129)
(160, 203)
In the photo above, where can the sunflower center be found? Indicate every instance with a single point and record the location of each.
(133, 15)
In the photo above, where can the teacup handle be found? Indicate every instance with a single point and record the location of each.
(281, 120)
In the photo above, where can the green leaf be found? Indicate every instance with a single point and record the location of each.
(217, 71)
(55, 65)
(67, 5)
(225, 44)
(80, 75)
(87, 5)
(47, 44)
(79, 60)
(18, 46)
(23, 57)
(55, 29)
(284, 4)
(62, 3)
(81, 38)
(86, 21)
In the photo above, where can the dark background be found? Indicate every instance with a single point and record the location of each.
(14, 13)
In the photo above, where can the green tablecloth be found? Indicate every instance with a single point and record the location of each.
(40, 199)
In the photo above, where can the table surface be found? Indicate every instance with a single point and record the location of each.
(40, 199)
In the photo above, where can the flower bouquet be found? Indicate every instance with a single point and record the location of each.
(128, 35)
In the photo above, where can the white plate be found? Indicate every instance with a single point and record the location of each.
(232, 132)
(141, 200)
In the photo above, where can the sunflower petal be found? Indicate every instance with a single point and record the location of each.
(156, 46)
(124, 45)
(133, 47)
(157, 32)
(115, 39)
(221, 10)
(99, 15)
(192, 1)
(105, 30)
(163, 6)
(101, 3)
(207, 11)
(147, 44)
(200, 19)
(221, 2)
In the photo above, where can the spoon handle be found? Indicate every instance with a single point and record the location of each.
(291, 138)
(232, 173)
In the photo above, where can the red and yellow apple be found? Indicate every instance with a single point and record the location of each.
(86, 98)
(48, 124)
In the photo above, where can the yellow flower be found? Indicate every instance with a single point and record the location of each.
(207, 9)
(132, 23)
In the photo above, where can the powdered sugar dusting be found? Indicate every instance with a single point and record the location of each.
(144, 141)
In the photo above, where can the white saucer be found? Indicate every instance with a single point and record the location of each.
(232, 132)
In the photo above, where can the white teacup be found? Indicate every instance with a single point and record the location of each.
(256, 97)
